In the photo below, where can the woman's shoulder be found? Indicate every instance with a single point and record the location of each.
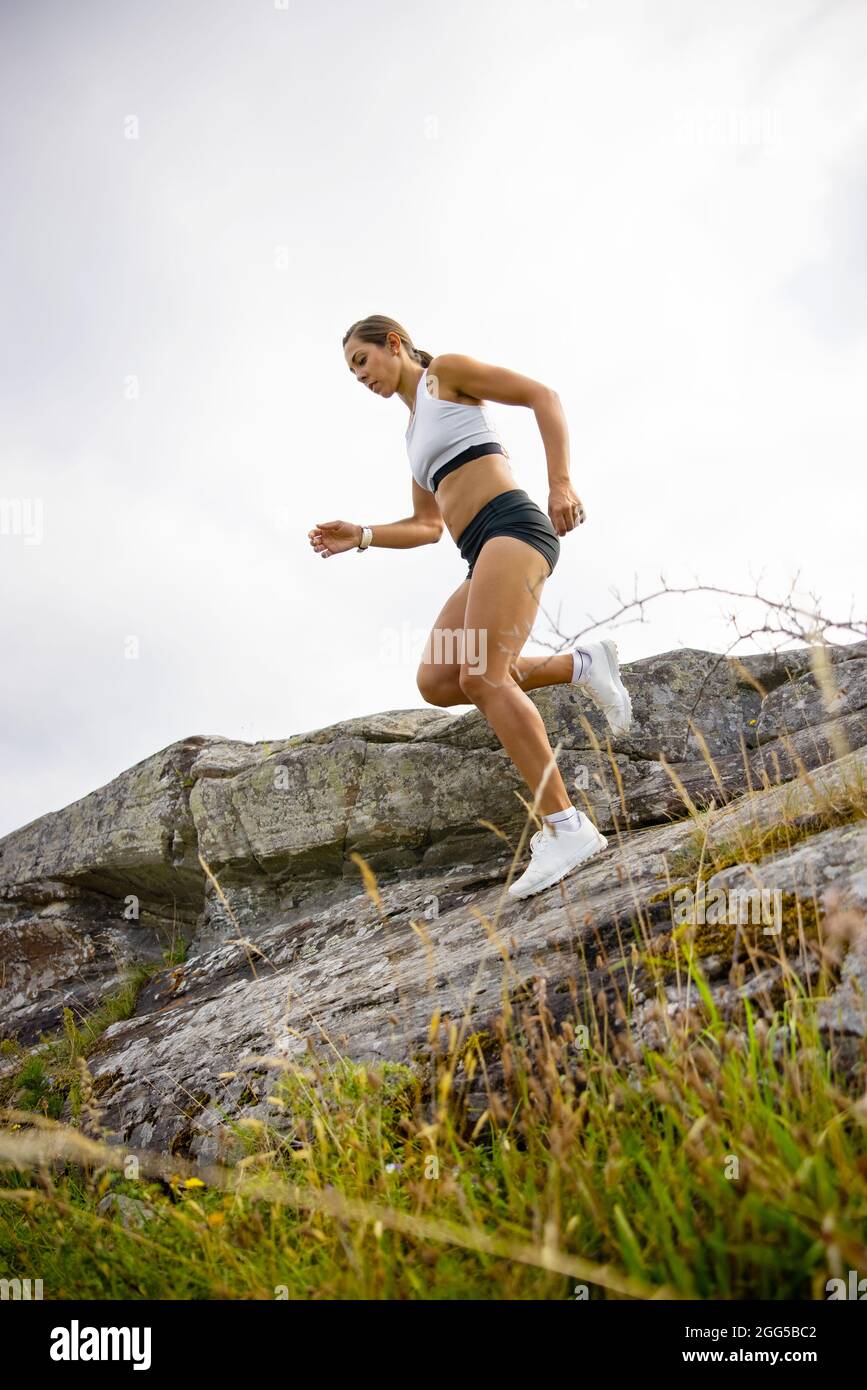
(444, 376)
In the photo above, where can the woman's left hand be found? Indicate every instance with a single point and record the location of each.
(565, 509)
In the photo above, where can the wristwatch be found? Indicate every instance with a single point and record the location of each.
(366, 538)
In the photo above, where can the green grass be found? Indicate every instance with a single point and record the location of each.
(704, 858)
(46, 1080)
(723, 1165)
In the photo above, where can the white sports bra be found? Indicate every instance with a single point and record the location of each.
(443, 435)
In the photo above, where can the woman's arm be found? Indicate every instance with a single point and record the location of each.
(422, 528)
(466, 375)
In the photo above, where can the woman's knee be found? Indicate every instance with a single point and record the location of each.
(439, 687)
(480, 684)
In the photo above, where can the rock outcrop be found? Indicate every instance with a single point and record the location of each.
(250, 856)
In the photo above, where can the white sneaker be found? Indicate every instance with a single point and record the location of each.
(554, 855)
(604, 686)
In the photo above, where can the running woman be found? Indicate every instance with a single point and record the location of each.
(511, 547)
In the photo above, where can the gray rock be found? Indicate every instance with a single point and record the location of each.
(131, 1212)
(244, 852)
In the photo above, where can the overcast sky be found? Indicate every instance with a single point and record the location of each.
(659, 209)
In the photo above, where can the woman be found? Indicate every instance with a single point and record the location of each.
(461, 480)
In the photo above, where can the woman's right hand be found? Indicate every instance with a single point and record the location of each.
(330, 537)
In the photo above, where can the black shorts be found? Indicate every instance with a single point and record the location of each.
(510, 514)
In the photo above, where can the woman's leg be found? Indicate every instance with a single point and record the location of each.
(534, 672)
(501, 607)
(438, 677)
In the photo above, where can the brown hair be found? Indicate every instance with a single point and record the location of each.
(375, 329)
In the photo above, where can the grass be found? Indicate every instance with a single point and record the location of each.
(704, 857)
(712, 1154)
(720, 1164)
(51, 1077)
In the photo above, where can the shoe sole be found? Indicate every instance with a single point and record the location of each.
(555, 878)
(610, 649)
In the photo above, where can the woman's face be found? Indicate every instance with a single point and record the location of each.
(377, 368)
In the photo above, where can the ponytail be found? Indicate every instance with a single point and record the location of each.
(376, 328)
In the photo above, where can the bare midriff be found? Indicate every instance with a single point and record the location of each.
(465, 491)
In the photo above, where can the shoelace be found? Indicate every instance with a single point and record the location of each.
(537, 838)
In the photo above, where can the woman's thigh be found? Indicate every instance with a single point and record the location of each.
(440, 665)
(505, 589)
